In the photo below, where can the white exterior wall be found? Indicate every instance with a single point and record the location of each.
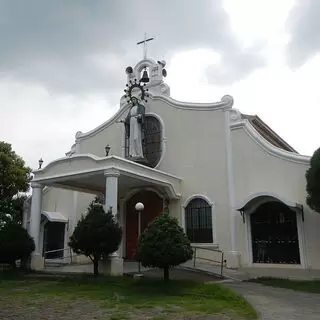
(58, 200)
(194, 148)
(71, 204)
(256, 170)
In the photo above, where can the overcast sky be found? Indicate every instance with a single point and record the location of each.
(62, 63)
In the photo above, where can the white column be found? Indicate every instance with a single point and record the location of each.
(122, 224)
(111, 197)
(232, 255)
(111, 200)
(73, 217)
(35, 218)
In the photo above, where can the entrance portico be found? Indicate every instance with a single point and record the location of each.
(109, 177)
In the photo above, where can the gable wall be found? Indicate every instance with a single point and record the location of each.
(194, 150)
(255, 170)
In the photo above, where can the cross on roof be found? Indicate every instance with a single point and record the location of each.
(145, 45)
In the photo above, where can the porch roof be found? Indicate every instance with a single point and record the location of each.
(53, 216)
(85, 172)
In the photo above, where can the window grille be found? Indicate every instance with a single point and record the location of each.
(198, 218)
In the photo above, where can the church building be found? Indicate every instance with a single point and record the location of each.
(229, 179)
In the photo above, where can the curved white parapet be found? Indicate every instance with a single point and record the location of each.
(225, 103)
(237, 123)
(87, 157)
(79, 167)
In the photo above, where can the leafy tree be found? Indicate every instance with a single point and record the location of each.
(313, 182)
(164, 244)
(14, 178)
(14, 175)
(12, 209)
(17, 205)
(96, 235)
(15, 243)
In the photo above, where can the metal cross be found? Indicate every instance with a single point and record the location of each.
(145, 45)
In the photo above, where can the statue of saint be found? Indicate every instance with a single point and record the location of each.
(134, 124)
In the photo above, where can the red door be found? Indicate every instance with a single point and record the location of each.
(153, 206)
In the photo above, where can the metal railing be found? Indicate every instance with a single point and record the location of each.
(58, 258)
(219, 262)
(5, 267)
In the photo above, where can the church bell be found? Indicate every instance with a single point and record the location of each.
(145, 77)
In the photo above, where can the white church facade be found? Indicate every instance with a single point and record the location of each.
(232, 182)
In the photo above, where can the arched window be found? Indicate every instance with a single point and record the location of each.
(198, 219)
(152, 144)
(152, 141)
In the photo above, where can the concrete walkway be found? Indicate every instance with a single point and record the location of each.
(256, 272)
(276, 303)
(210, 269)
(87, 268)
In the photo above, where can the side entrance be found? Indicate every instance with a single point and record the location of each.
(274, 234)
(53, 239)
(153, 206)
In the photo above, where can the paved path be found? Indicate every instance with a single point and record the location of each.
(254, 272)
(277, 303)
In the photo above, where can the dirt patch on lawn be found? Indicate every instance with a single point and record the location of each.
(49, 309)
(59, 309)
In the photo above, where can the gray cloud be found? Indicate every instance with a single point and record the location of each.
(235, 66)
(303, 24)
(82, 46)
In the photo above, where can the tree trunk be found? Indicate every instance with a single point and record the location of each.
(23, 263)
(166, 273)
(13, 265)
(96, 267)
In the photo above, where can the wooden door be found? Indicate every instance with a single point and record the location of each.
(153, 206)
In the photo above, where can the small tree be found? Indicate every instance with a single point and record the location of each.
(163, 245)
(96, 235)
(313, 182)
(15, 244)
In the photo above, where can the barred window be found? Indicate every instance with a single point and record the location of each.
(198, 219)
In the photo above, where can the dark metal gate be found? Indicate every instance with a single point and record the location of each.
(274, 234)
(54, 239)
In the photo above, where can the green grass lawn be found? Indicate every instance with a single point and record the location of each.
(83, 297)
(297, 285)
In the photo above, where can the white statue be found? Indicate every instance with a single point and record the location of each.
(134, 124)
